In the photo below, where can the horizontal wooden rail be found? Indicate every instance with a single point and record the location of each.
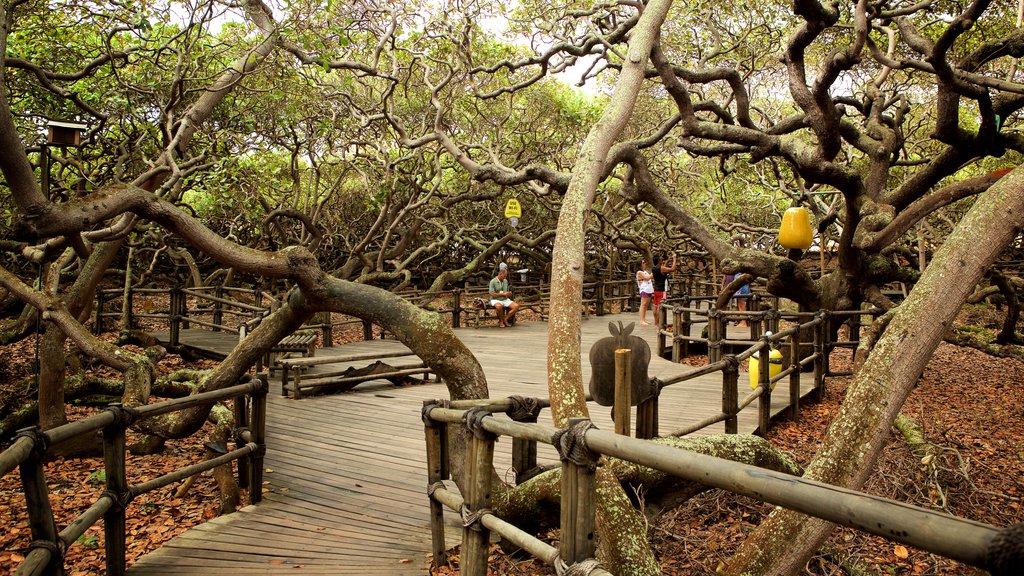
(27, 452)
(960, 539)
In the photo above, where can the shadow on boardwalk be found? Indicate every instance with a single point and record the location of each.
(346, 477)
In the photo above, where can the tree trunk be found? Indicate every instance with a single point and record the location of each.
(784, 542)
(623, 542)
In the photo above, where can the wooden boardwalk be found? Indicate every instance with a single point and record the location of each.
(346, 477)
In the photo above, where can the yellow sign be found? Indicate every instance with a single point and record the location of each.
(512, 209)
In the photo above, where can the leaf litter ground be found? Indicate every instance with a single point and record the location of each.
(968, 405)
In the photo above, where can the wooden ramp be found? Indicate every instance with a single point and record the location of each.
(346, 476)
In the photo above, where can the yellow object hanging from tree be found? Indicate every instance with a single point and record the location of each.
(795, 231)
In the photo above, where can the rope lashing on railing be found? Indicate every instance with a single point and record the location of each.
(523, 408)
(571, 444)
(121, 501)
(581, 568)
(563, 568)
(39, 441)
(1005, 553)
(428, 406)
(474, 421)
(471, 519)
(124, 416)
(56, 549)
(439, 485)
(656, 385)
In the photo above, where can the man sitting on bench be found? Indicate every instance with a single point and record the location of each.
(501, 298)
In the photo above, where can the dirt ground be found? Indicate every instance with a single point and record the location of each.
(967, 403)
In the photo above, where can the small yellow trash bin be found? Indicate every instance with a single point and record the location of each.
(774, 367)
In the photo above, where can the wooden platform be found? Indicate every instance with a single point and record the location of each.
(346, 477)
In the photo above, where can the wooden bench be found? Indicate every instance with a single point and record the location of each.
(340, 373)
(303, 343)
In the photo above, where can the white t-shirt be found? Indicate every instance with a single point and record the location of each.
(643, 282)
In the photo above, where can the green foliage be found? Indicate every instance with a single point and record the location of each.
(97, 477)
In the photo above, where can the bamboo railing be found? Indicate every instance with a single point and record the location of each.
(974, 543)
(46, 551)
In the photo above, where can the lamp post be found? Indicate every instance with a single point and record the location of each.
(60, 135)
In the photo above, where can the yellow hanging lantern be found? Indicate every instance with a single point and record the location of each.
(795, 231)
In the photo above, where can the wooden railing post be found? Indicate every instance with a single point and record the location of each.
(101, 302)
(436, 437)
(623, 390)
(819, 358)
(367, 330)
(114, 530)
(37, 500)
(457, 308)
(659, 321)
(599, 297)
(730, 394)
(175, 316)
(524, 450)
(854, 324)
(794, 376)
(129, 296)
(677, 329)
(258, 435)
(716, 330)
(647, 416)
(633, 301)
(240, 408)
(218, 307)
(687, 325)
(480, 464)
(764, 402)
(577, 510)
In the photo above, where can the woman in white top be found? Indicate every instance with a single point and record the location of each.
(646, 288)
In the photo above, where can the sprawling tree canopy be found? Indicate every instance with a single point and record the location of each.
(337, 146)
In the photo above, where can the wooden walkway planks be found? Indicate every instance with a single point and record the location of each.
(346, 476)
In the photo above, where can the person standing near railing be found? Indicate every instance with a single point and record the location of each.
(660, 274)
(646, 288)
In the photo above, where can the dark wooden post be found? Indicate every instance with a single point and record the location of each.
(633, 301)
(599, 297)
(829, 345)
(175, 316)
(475, 537)
(218, 308)
(687, 325)
(794, 376)
(524, 451)
(819, 359)
(114, 530)
(37, 499)
(240, 408)
(659, 322)
(101, 302)
(577, 510)
(457, 308)
(677, 329)
(647, 415)
(854, 324)
(257, 435)
(716, 331)
(367, 330)
(764, 403)
(623, 390)
(730, 394)
(436, 434)
(129, 296)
